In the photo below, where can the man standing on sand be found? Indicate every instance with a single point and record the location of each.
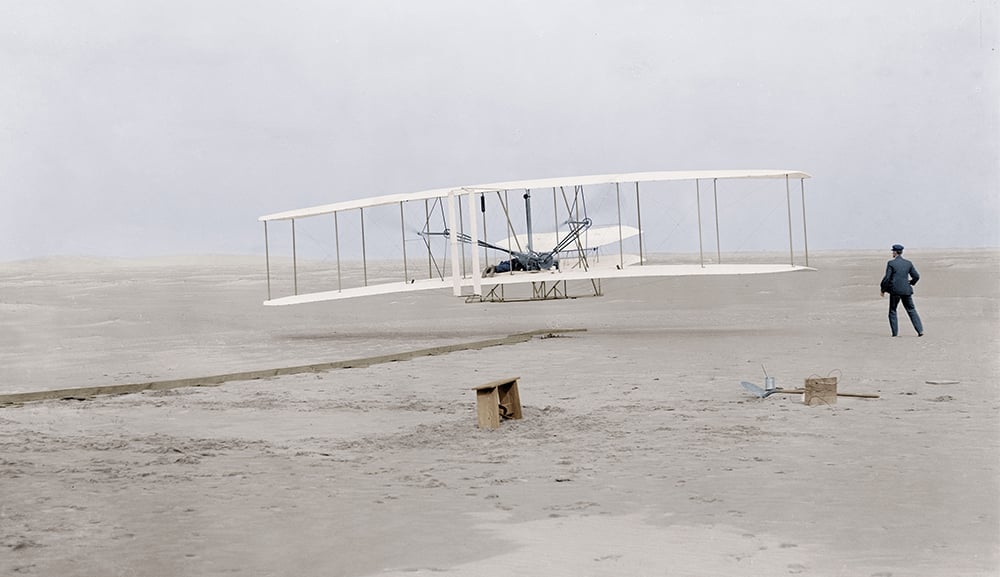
(900, 276)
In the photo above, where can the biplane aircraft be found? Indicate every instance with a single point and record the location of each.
(438, 239)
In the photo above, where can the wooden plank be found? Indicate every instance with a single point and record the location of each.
(496, 383)
(488, 408)
(510, 400)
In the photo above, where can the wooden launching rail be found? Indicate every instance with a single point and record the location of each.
(839, 394)
(215, 380)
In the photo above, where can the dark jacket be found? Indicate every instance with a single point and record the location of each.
(900, 276)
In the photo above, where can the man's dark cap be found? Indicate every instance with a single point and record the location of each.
(897, 248)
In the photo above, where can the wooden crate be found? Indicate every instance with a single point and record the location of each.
(821, 391)
(497, 400)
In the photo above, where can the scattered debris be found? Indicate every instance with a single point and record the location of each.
(759, 392)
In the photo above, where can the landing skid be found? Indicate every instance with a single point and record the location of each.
(540, 291)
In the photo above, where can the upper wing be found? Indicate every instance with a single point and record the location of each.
(567, 181)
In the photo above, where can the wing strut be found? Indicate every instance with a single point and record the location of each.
(432, 263)
(555, 212)
(456, 279)
(477, 287)
(788, 203)
(805, 233)
(267, 260)
(621, 241)
(364, 249)
(336, 235)
(701, 245)
(295, 261)
(430, 257)
(718, 243)
(638, 215)
(402, 232)
(527, 216)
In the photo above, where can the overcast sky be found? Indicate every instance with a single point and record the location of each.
(140, 128)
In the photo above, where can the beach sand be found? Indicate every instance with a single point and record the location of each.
(638, 454)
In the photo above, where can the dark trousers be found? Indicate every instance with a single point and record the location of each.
(911, 310)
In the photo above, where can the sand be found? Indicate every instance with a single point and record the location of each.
(638, 454)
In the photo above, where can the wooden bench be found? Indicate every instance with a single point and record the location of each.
(497, 400)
